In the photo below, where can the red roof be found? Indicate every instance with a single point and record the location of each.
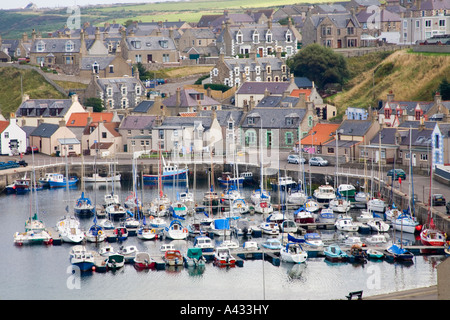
(323, 132)
(3, 125)
(79, 119)
(296, 93)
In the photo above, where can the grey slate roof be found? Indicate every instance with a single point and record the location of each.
(103, 62)
(274, 118)
(187, 99)
(144, 106)
(340, 20)
(256, 87)
(150, 43)
(137, 122)
(224, 115)
(303, 82)
(387, 137)
(180, 122)
(274, 62)
(44, 107)
(409, 106)
(278, 32)
(115, 83)
(277, 102)
(58, 45)
(355, 127)
(45, 130)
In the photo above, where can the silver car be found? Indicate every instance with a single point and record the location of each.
(294, 158)
(318, 161)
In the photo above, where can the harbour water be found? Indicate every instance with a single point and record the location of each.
(44, 272)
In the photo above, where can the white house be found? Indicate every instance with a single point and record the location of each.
(13, 139)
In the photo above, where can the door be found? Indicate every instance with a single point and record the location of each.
(149, 58)
(413, 159)
(269, 139)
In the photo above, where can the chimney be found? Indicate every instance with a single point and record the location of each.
(266, 93)
(437, 98)
(97, 34)
(25, 37)
(89, 120)
(252, 54)
(62, 123)
(208, 92)
(33, 35)
(390, 96)
(251, 105)
(269, 24)
(74, 98)
(178, 97)
(83, 48)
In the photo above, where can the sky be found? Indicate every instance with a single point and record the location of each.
(5, 4)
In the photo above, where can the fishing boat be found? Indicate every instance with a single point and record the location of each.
(82, 258)
(324, 194)
(283, 183)
(60, 181)
(293, 253)
(264, 207)
(346, 190)
(313, 239)
(173, 258)
(176, 231)
(345, 223)
(84, 206)
(19, 186)
(270, 228)
(303, 216)
(223, 257)
(97, 178)
(204, 243)
(70, 229)
(44, 181)
(272, 243)
(169, 174)
(194, 258)
(227, 179)
(334, 253)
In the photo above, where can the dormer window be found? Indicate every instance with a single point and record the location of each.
(288, 36)
(123, 89)
(69, 46)
(40, 46)
(269, 36)
(136, 44)
(256, 37)
(239, 37)
(164, 43)
(95, 67)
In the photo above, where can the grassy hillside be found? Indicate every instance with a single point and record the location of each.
(33, 84)
(410, 76)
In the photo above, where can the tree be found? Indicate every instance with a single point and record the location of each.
(444, 89)
(319, 64)
(95, 103)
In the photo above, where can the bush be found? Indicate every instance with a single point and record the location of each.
(217, 87)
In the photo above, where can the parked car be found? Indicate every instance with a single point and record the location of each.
(295, 158)
(32, 148)
(438, 200)
(396, 173)
(318, 161)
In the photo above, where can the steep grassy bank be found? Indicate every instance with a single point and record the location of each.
(409, 76)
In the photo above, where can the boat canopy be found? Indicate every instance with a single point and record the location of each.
(222, 224)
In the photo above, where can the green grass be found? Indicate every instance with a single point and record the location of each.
(33, 84)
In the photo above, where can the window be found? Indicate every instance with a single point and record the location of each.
(123, 89)
(109, 92)
(424, 156)
(427, 23)
(269, 36)
(111, 69)
(441, 23)
(138, 58)
(133, 143)
(256, 37)
(350, 30)
(6, 135)
(164, 43)
(436, 141)
(289, 138)
(142, 143)
(161, 134)
(40, 46)
(250, 137)
(136, 44)
(69, 60)
(417, 23)
(124, 103)
(330, 150)
(103, 135)
(129, 132)
(250, 120)
(166, 57)
(288, 36)
(69, 46)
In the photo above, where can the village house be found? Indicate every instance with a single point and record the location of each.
(136, 132)
(234, 72)
(118, 93)
(33, 112)
(13, 139)
(189, 100)
(102, 139)
(79, 120)
(198, 42)
(55, 139)
(257, 90)
(264, 39)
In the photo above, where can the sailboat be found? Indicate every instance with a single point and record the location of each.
(83, 205)
(430, 235)
(35, 231)
(298, 195)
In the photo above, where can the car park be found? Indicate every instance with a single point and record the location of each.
(318, 161)
(294, 158)
(396, 173)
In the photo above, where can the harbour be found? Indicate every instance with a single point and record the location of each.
(261, 272)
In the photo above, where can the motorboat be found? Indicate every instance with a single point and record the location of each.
(173, 258)
(374, 254)
(194, 258)
(303, 216)
(324, 194)
(204, 243)
(378, 225)
(293, 253)
(250, 245)
(44, 181)
(129, 253)
(106, 224)
(339, 205)
(399, 254)
(353, 240)
(119, 233)
(229, 244)
(146, 232)
(346, 190)
(272, 243)
(346, 223)
(166, 247)
(19, 186)
(270, 228)
(365, 216)
(114, 260)
(178, 209)
(312, 206)
(82, 258)
(263, 207)
(376, 239)
(142, 260)
(276, 216)
(326, 215)
(220, 227)
(187, 198)
(176, 231)
(432, 237)
(377, 205)
(32, 237)
(116, 211)
(334, 253)
(297, 197)
(70, 230)
(223, 257)
(239, 206)
(313, 239)
(288, 226)
(97, 178)
(361, 199)
(357, 255)
(283, 183)
(106, 250)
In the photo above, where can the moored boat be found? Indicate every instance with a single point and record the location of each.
(293, 253)
(142, 260)
(223, 257)
(334, 253)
